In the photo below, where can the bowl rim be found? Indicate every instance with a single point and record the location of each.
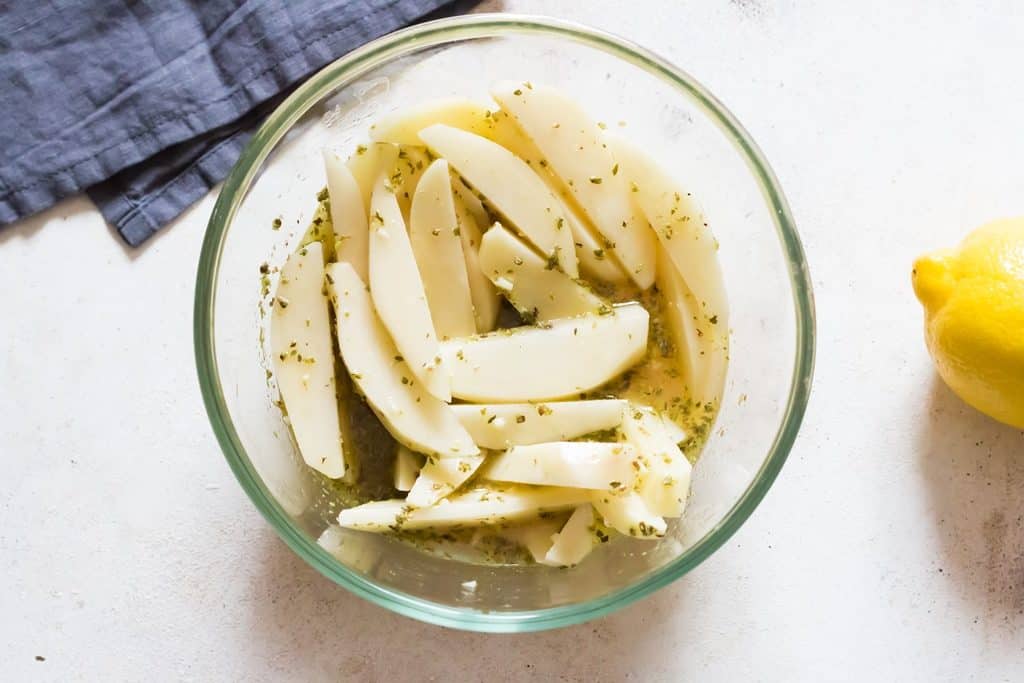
(349, 68)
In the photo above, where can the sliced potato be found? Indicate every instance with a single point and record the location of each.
(414, 417)
(574, 149)
(576, 464)
(407, 468)
(500, 425)
(596, 259)
(537, 292)
(479, 506)
(439, 477)
(674, 430)
(628, 513)
(471, 203)
(398, 293)
(348, 214)
(486, 300)
(368, 162)
(665, 483)
(575, 540)
(680, 226)
(511, 187)
(403, 126)
(693, 344)
(437, 244)
(566, 357)
(536, 536)
(303, 357)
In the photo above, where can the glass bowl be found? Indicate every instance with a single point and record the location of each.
(665, 110)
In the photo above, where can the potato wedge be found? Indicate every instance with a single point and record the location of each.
(411, 414)
(628, 513)
(434, 232)
(407, 468)
(566, 357)
(348, 214)
(536, 291)
(575, 540)
(439, 477)
(498, 426)
(398, 293)
(303, 358)
(479, 506)
(665, 482)
(574, 464)
(679, 225)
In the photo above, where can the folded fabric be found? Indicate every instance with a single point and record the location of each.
(147, 104)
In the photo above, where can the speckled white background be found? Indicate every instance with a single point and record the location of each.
(892, 545)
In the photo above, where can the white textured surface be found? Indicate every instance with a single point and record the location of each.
(892, 545)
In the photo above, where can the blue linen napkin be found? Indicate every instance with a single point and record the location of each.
(146, 104)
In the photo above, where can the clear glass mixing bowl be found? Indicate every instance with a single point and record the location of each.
(666, 110)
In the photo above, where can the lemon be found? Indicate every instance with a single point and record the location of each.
(973, 299)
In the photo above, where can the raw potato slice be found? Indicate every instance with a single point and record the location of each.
(413, 416)
(368, 162)
(679, 224)
(537, 292)
(486, 300)
(665, 484)
(303, 356)
(681, 312)
(477, 507)
(596, 260)
(673, 429)
(575, 464)
(629, 514)
(500, 425)
(348, 214)
(398, 294)
(436, 242)
(471, 203)
(575, 540)
(566, 357)
(703, 346)
(402, 127)
(537, 537)
(407, 468)
(511, 187)
(440, 477)
(574, 149)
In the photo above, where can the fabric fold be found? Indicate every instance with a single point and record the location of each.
(148, 104)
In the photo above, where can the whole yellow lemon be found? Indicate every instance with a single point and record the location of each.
(973, 299)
